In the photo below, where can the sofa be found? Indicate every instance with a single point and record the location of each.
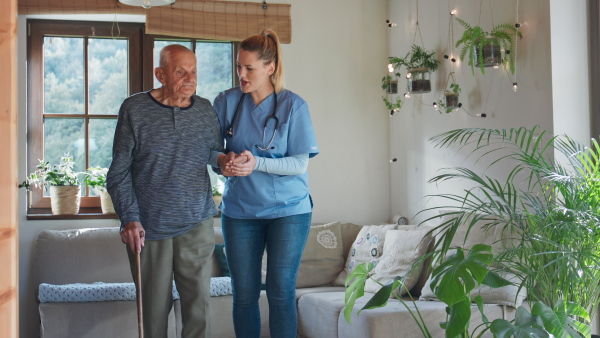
(91, 259)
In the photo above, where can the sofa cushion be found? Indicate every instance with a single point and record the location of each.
(394, 320)
(318, 314)
(402, 248)
(367, 247)
(101, 292)
(323, 256)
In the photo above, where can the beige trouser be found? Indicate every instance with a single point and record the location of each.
(187, 259)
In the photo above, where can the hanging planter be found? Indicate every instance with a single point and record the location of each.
(489, 55)
(65, 199)
(484, 49)
(419, 80)
(451, 99)
(390, 84)
(419, 64)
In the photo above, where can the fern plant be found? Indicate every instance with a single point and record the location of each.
(474, 38)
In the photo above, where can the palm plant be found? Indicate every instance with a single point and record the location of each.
(551, 211)
(474, 39)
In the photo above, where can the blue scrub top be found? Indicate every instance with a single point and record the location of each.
(261, 195)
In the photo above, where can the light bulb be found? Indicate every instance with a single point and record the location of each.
(453, 12)
(515, 87)
(481, 115)
(393, 160)
(407, 95)
(409, 75)
(435, 106)
(496, 66)
(146, 4)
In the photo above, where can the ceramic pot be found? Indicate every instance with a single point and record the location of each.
(217, 200)
(65, 200)
(106, 202)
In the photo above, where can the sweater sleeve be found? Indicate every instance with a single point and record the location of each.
(289, 165)
(119, 180)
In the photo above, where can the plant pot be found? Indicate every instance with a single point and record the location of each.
(490, 55)
(65, 199)
(451, 100)
(106, 202)
(419, 80)
(392, 87)
(217, 200)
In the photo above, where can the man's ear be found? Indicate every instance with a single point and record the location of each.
(160, 75)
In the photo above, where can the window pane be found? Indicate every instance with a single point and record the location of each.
(102, 132)
(215, 68)
(107, 72)
(160, 44)
(63, 75)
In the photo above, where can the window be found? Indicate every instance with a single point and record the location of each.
(79, 73)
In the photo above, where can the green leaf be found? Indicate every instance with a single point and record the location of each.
(382, 296)
(355, 287)
(460, 315)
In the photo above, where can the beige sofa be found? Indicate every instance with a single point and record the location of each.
(97, 255)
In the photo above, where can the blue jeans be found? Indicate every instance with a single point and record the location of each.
(245, 242)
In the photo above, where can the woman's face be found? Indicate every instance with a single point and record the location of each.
(253, 73)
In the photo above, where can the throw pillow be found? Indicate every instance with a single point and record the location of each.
(323, 256)
(402, 249)
(222, 259)
(366, 248)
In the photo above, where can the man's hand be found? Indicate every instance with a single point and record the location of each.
(227, 161)
(244, 168)
(134, 235)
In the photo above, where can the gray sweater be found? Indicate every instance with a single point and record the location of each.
(158, 175)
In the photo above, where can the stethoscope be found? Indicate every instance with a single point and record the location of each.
(229, 132)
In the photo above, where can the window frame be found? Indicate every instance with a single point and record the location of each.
(141, 78)
(37, 30)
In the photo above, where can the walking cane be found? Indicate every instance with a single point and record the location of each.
(138, 277)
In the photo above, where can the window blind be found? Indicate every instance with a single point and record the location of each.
(217, 20)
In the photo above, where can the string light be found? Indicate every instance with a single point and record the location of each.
(481, 115)
(390, 24)
(390, 68)
(409, 75)
(393, 160)
(407, 95)
(453, 12)
(515, 87)
(435, 106)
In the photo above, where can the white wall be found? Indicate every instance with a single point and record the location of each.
(333, 62)
(491, 93)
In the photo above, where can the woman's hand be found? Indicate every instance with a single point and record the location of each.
(244, 168)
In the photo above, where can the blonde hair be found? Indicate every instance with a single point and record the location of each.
(268, 48)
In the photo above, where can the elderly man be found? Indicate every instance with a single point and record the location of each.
(159, 184)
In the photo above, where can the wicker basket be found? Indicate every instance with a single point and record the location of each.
(65, 199)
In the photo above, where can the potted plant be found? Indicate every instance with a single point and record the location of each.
(63, 184)
(418, 63)
(390, 85)
(217, 196)
(484, 48)
(549, 210)
(450, 101)
(95, 179)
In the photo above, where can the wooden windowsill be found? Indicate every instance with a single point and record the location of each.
(36, 214)
(84, 213)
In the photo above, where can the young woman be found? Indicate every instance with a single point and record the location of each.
(266, 204)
